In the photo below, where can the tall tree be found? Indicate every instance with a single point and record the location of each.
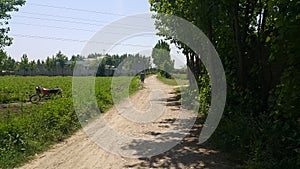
(3, 57)
(61, 59)
(6, 7)
(48, 64)
(74, 59)
(32, 67)
(53, 65)
(10, 64)
(162, 58)
(24, 64)
(258, 45)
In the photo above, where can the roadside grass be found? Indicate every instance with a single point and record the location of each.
(27, 130)
(176, 79)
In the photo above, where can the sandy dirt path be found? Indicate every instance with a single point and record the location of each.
(80, 152)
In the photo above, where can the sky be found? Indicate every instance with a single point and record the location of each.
(42, 28)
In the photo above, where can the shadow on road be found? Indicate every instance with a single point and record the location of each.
(186, 154)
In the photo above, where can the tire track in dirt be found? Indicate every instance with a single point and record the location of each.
(79, 151)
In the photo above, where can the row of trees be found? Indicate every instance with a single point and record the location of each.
(60, 64)
(8, 64)
(259, 47)
(50, 64)
(126, 64)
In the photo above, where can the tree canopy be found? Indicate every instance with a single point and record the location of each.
(162, 58)
(258, 44)
(6, 7)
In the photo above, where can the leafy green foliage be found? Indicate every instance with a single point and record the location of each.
(61, 59)
(162, 58)
(258, 45)
(33, 128)
(204, 94)
(27, 129)
(7, 6)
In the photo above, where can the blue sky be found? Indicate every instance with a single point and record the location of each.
(42, 28)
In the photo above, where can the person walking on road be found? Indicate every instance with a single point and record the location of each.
(142, 75)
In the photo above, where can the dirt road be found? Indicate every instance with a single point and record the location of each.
(79, 151)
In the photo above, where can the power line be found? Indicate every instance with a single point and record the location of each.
(61, 16)
(76, 40)
(83, 10)
(65, 28)
(58, 20)
(56, 27)
(75, 18)
(76, 9)
(124, 26)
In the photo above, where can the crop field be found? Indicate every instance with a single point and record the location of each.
(26, 129)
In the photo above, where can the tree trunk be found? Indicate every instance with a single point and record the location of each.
(263, 59)
(237, 34)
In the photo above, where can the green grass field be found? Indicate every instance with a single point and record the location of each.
(27, 129)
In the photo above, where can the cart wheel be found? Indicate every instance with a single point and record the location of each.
(35, 98)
